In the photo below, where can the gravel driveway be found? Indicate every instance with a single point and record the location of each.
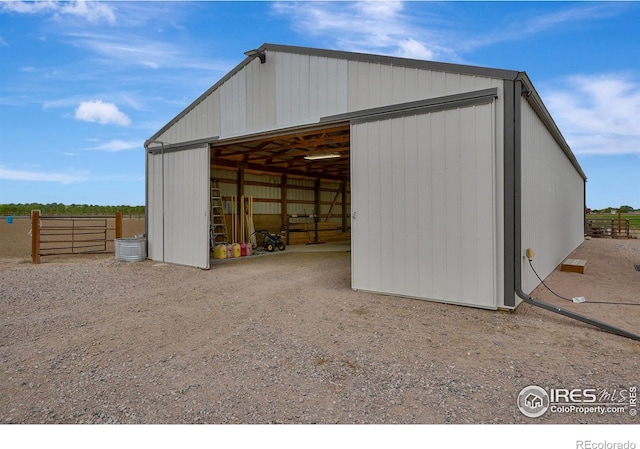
(284, 339)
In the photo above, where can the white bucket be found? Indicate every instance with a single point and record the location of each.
(131, 250)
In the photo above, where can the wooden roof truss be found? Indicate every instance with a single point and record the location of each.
(284, 153)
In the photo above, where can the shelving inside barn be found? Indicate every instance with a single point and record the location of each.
(276, 197)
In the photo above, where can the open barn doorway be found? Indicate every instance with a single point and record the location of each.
(294, 184)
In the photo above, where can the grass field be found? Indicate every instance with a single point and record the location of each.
(634, 218)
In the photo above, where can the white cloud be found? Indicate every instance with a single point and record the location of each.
(3, 42)
(61, 103)
(572, 14)
(425, 30)
(131, 100)
(527, 24)
(26, 175)
(127, 41)
(103, 113)
(91, 11)
(367, 26)
(598, 114)
(410, 48)
(117, 145)
(138, 50)
(29, 7)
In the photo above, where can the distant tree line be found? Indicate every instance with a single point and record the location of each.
(69, 209)
(624, 209)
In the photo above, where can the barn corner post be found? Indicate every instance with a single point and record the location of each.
(119, 224)
(511, 206)
(35, 236)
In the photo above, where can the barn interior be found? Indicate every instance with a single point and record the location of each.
(295, 184)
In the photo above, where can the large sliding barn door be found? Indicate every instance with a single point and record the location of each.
(424, 205)
(178, 206)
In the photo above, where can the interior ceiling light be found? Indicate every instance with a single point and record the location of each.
(316, 157)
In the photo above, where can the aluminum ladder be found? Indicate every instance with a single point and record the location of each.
(218, 222)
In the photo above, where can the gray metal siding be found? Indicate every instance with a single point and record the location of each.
(286, 96)
(423, 192)
(233, 105)
(373, 85)
(308, 87)
(552, 200)
(184, 209)
(154, 206)
(203, 121)
(261, 95)
(292, 89)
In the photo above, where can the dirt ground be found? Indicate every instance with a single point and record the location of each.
(284, 339)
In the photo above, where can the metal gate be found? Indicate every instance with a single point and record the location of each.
(60, 235)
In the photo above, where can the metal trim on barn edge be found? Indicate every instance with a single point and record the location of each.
(509, 192)
(418, 107)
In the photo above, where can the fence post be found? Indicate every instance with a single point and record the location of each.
(35, 236)
(119, 225)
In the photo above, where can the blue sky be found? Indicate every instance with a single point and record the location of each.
(84, 84)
